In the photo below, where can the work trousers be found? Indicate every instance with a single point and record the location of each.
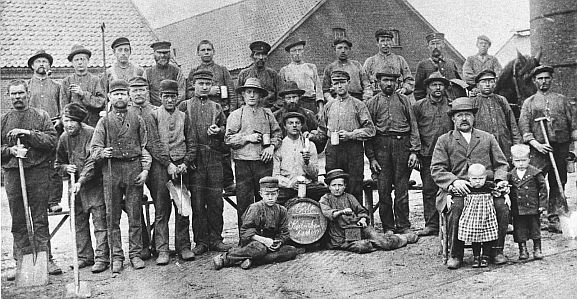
(259, 254)
(119, 185)
(93, 194)
(430, 190)
(157, 180)
(458, 246)
(248, 173)
(372, 241)
(526, 227)
(207, 203)
(54, 186)
(392, 153)
(36, 186)
(348, 156)
(227, 173)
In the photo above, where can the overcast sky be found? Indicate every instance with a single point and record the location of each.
(461, 20)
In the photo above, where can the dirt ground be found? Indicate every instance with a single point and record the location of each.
(415, 271)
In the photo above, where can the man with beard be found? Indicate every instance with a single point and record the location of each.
(34, 129)
(45, 95)
(304, 74)
(436, 63)
(72, 158)
(130, 163)
(221, 80)
(291, 94)
(82, 86)
(393, 151)
(432, 119)
(359, 86)
(122, 68)
(481, 61)
(269, 79)
(454, 152)
(494, 114)
(205, 138)
(348, 123)
(163, 70)
(385, 60)
(561, 130)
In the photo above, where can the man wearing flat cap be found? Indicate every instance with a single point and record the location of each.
(393, 151)
(269, 78)
(72, 158)
(129, 167)
(385, 60)
(347, 122)
(205, 139)
(122, 68)
(253, 134)
(480, 61)
(433, 121)
(296, 161)
(359, 85)
(494, 114)
(45, 95)
(304, 74)
(163, 70)
(436, 63)
(82, 86)
(454, 152)
(561, 125)
(263, 234)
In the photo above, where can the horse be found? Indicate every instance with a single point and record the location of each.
(515, 82)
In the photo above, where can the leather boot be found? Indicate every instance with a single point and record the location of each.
(537, 254)
(523, 253)
(498, 257)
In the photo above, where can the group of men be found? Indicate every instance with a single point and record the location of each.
(161, 128)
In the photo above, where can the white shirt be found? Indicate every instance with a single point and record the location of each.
(467, 136)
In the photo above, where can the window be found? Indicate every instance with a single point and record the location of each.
(339, 33)
(396, 39)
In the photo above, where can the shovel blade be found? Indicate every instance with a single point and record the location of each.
(30, 273)
(181, 197)
(83, 290)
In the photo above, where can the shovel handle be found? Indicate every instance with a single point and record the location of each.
(555, 169)
(27, 215)
(72, 206)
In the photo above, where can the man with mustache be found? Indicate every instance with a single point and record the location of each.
(163, 70)
(130, 164)
(436, 63)
(386, 59)
(454, 152)
(269, 78)
(481, 61)
(561, 130)
(45, 95)
(122, 67)
(393, 151)
(359, 86)
(291, 94)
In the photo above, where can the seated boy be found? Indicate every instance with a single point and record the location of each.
(263, 233)
(343, 210)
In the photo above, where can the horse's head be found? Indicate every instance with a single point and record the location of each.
(515, 82)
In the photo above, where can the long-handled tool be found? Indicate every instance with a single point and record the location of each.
(541, 121)
(77, 288)
(32, 270)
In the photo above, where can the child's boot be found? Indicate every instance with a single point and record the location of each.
(523, 253)
(537, 254)
(476, 261)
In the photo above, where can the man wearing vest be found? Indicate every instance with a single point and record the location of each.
(163, 70)
(122, 68)
(121, 137)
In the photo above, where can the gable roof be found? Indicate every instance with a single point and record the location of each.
(235, 26)
(520, 41)
(56, 25)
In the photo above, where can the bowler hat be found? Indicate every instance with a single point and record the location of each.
(542, 69)
(260, 47)
(118, 84)
(161, 46)
(485, 38)
(336, 174)
(383, 33)
(268, 183)
(78, 49)
(340, 75)
(40, 53)
(295, 41)
(137, 81)
(462, 104)
(253, 83)
(340, 40)
(293, 114)
(435, 35)
(200, 74)
(75, 112)
(120, 42)
(290, 87)
(436, 76)
(169, 86)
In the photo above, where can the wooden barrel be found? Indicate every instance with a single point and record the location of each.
(306, 222)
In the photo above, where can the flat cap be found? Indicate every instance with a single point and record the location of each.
(542, 69)
(138, 81)
(268, 182)
(336, 174)
(485, 74)
(383, 33)
(293, 114)
(260, 47)
(341, 40)
(295, 41)
(435, 35)
(121, 41)
(462, 104)
(485, 38)
(38, 54)
(169, 86)
(75, 112)
(200, 74)
(340, 75)
(118, 84)
(162, 46)
(387, 72)
(78, 49)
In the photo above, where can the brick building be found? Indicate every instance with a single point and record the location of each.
(232, 28)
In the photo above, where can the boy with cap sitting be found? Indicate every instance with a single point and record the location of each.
(263, 234)
(344, 212)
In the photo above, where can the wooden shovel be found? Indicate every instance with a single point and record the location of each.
(32, 270)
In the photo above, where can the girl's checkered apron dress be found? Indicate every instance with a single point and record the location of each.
(478, 222)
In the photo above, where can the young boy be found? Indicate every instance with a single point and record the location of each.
(478, 222)
(528, 200)
(263, 234)
(342, 209)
